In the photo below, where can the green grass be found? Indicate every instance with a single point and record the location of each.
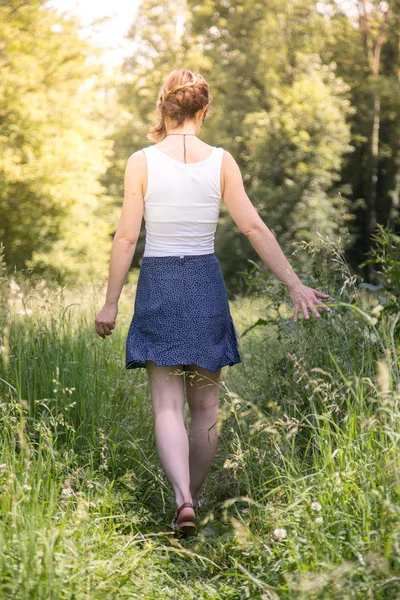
(303, 493)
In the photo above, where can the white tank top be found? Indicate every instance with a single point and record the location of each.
(181, 204)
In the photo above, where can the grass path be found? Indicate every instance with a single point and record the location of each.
(303, 495)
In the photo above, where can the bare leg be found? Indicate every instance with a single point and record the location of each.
(168, 400)
(202, 392)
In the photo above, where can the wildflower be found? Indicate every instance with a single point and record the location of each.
(3, 468)
(26, 486)
(67, 492)
(280, 533)
(338, 481)
(316, 506)
(383, 376)
(230, 464)
(319, 520)
(14, 287)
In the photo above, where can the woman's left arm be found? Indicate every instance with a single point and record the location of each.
(124, 242)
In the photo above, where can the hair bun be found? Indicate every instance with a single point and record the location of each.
(179, 88)
(183, 106)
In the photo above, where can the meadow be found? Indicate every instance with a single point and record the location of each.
(303, 495)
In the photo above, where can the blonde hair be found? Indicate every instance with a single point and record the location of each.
(181, 96)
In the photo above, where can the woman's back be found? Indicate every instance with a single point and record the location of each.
(182, 202)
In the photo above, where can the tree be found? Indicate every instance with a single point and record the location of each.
(52, 145)
(366, 51)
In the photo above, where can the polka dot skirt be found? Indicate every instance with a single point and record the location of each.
(181, 314)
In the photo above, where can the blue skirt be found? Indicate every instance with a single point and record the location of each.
(181, 314)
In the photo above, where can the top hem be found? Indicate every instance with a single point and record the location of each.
(179, 255)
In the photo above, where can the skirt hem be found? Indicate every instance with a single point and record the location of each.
(138, 364)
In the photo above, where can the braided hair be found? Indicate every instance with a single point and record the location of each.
(181, 96)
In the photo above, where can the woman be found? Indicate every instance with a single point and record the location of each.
(182, 323)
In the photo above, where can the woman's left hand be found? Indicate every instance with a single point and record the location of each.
(105, 321)
(303, 297)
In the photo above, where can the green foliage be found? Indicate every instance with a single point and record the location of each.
(303, 496)
(357, 32)
(386, 254)
(52, 146)
(295, 151)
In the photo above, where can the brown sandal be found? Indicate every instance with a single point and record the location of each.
(185, 523)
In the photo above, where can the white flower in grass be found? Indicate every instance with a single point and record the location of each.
(14, 287)
(3, 468)
(319, 520)
(280, 533)
(338, 481)
(67, 492)
(316, 506)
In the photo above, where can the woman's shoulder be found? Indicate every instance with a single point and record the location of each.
(147, 148)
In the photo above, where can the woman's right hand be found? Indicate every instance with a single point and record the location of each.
(303, 296)
(105, 321)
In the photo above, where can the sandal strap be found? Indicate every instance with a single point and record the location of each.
(184, 505)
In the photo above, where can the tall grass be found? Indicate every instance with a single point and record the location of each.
(303, 497)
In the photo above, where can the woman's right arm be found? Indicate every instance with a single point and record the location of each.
(246, 217)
